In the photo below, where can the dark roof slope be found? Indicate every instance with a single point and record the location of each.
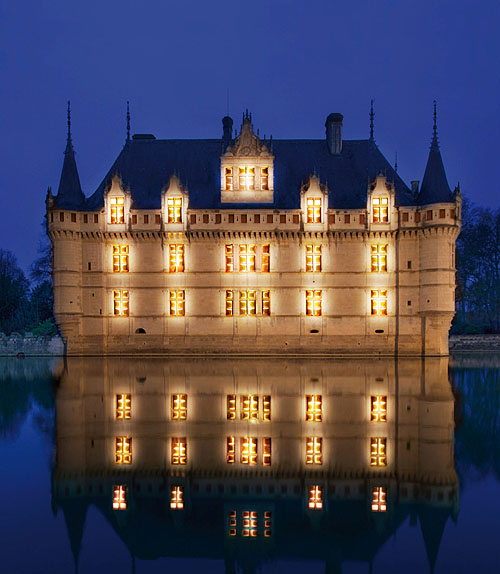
(435, 188)
(70, 194)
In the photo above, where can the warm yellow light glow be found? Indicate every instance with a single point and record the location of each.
(123, 407)
(264, 178)
(120, 303)
(314, 408)
(378, 451)
(120, 258)
(249, 524)
(248, 450)
(314, 450)
(117, 209)
(315, 497)
(231, 407)
(119, 497)
(378, 412)
(247, 258)
(266, 258)
(313, 303)
(249, 409)
(379, 499)
(123, 450)
(266, 303)
(378, 299)
(229, 259)
(268, 524)
(378, 257)
(176, 258)
(248, 302)
(174, 210)
(232, 523)
(313, 210)
(179, 407)
(230, 450)
(380, 209)
(229, 303)
(177, 497)
(176, 299)
(179, 450)
(266, 407)
(266, 451)
(247, 178)
(313, 258)
(229, 178)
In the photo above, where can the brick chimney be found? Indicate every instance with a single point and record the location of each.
(333, 127)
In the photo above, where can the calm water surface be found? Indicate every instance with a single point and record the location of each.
(219, 469)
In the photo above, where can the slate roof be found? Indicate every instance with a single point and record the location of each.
(70, 194)
(435, 188)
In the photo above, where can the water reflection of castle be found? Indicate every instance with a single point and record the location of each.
(249, 460)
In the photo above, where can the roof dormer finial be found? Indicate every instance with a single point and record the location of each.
(372, 118)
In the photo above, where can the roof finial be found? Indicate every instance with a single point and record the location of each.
(435, 142)
(69, 143)
(372, 117)
(128, 121)
(435, 127)
(396, 163)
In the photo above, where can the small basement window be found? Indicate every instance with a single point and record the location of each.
(140, 331)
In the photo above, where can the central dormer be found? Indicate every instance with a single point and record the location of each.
(247, 166)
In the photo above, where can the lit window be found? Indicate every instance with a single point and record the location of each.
(266, 258)
(231, 407)
(378, 452)
(232, 523)
(123, 450)
(119, 497)
(176, 258)
(120, 303)
(247, 258)
(315, 497)
(314, 408)
(313, 210)
(179, 451)
(314, 450)
(249, 526)
(268, 524)
(177, 497)
(247, 178)
(313, 258)
(179, 407)
(229, 259)
(266, 303)
(266, 451)
(249, 408)
(379, 301)
(313, 303)
(229, 179)
(380, 209)
(117, 209)
(378, 258)
(229, 303)
(379, 499)
(266, 408)
(264, 178)
(174, 209)
(123, 407)
(378, 412)
(248, 450)
(177, 303)
(247, 302)
(120, 258)
(230, 450)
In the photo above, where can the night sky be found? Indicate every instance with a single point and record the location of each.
(289, 62)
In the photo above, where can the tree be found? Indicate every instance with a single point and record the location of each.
(14, 289)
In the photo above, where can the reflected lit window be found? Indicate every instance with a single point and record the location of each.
(117, 205)
(266, 451)
(268, 524)
(266, 407)
(266, 258)
(120, 258)
(378, 452)
(247, 258)
(229, 303)
(248, 299)
(248, 450)
(378, 298)
(179, 451)
(266, 303)
(378, 409)
(378, 257)
(230, 450)
(231, 407)
(315, 501)
(179, 407)
(314, 450)
(174, 210)
(229, 266)
(123, 408)
(313, 303)
(229, 179)
(120, 303)
(123, 450)
(380, 209)
(176, 258)
(176, 300)
(313, 205)
(177, 497)
(119, 497)
(232, 523)
(379, 499)
(264, 178)
(249, 408)
(249, 524)
(314, 408)
(313, 258)
(247, 178)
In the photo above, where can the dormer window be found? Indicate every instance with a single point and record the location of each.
(264, 178)
(174, 210)
(229, 179)
(117, 209)
(313, 210)
(380, 209)
(247, 178)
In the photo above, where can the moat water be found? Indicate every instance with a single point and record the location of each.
(214, 466)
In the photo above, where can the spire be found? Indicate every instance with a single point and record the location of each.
(435, 186)
(372, 118)
(69, 143)
(128, 121)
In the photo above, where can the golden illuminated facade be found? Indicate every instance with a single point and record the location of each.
(248, 256)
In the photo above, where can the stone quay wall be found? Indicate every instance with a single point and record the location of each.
(30, 345)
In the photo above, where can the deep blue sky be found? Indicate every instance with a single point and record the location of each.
(291, 63)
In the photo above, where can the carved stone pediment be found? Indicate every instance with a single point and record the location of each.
(247, 143)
